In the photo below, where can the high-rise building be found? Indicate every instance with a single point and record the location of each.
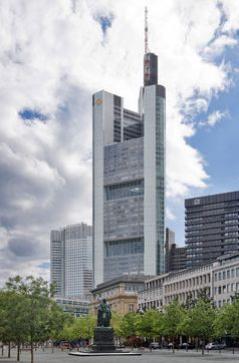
(175, 257)
(128, 181)
(71, 261)
(211, 227)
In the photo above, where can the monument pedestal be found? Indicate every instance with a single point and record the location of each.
(103, 345)
(103, 339)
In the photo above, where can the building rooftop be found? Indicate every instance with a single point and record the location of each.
(121, 279)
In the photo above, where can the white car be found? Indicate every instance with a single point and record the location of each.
(215, 346)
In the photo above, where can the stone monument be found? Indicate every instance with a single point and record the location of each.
(103, 336)
(104, 333)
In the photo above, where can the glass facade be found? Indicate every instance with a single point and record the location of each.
(124, 247)
(71, 261)
(128, 153)
(124, 190)
(160, 173)
(211, 227)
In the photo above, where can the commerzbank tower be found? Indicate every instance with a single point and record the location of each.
(129, 179)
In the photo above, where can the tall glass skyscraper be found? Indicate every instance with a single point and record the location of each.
(71, 261)
(128, 181)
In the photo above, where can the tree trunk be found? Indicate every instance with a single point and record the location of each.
(9, 350)
(18, 352)
(203, 344)
(2, 349)
(196, 343)
(32, 353)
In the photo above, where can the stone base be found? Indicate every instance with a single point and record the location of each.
(103, 339)
(103, 354)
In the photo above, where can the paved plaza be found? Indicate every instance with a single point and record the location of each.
(161, 356)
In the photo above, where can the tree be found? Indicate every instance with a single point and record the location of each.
(129, 325)
(172, 320)
(227, 320)
(36, 308)
(150, 324)
(12, 319)
(116, 323)
(84, 327)
(199, 321)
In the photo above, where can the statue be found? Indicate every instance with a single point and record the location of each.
(104, 314)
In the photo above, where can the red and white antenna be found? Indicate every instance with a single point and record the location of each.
(146, 30)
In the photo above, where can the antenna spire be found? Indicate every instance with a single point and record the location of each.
(146, 30)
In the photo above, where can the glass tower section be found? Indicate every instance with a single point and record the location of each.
(128, 181)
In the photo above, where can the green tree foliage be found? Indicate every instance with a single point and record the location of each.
(128, 326)
(28, 313)
(150, 324)
(172, 320)
(83, 327)
(13, 319)
(116, 323)
(227, 320)
(199, 321)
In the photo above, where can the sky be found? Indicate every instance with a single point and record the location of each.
(54, 55)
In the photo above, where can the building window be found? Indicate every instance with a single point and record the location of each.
(124, 247)
(131, 307)
(124, 190)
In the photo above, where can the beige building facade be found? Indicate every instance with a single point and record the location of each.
(121, 294)
(219, 280)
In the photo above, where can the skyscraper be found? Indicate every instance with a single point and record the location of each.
(128, 181)
(211, 227)
(175, 257)
(71, 261)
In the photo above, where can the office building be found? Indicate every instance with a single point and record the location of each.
(128, 181)
(211, 227)
(151, 296)
(219, 280)
(73, 307)
(71, 261)
(175, 257)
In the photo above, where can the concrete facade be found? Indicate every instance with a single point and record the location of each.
(219, 280)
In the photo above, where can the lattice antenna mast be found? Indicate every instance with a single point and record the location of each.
(146, 49)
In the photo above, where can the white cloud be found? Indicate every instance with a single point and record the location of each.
(214, 118)
(170, 215)
(52, 58)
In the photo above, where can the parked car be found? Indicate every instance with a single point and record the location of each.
(215, 346)
(170, 345)
(186, 345)
(65, 345)
(154, 345)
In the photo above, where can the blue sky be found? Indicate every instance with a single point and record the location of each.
(219, 145)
